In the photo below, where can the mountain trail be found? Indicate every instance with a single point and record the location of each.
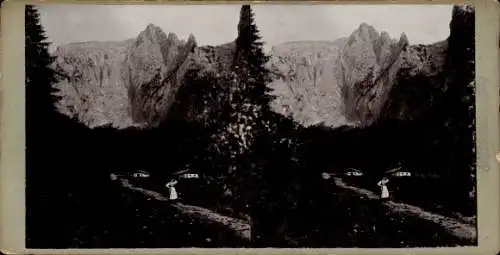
(451, 225)
(237, 226)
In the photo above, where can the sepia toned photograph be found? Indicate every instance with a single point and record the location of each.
(250, 126)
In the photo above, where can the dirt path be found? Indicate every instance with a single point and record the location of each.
(237, 226)
(453, 226)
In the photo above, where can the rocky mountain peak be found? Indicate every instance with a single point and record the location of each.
(368, 64)
(172, 37)
(366, 28)
(152, 33)
(385, 37)
(365, 32)
(343, 82)
(152, 29)
(403, 40)
(192, 40)
(152, 72)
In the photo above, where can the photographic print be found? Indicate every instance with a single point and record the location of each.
(250, 126)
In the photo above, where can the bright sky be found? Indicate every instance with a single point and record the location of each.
(217, 24)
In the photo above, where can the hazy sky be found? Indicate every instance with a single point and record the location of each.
(216, 24)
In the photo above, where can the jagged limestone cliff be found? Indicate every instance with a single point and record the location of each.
(349, 81)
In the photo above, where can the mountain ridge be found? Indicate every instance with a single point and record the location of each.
(346, 81)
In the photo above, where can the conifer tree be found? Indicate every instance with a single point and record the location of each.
(462, 107)
(39, 77)
(40, 122)
(263, 135)
(250, 113)
(250, 60)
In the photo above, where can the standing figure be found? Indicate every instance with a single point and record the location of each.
(385, 192)
(171, 190)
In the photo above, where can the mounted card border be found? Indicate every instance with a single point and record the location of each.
(12, 133)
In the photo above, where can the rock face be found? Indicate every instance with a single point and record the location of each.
(421, 68)
(91, 87)
(352, 81)
(365, 77)
(130, 83)
(433, 74)
(153, 71)
(407, 81)
(306, 84)
(367, 65)
(344, 82)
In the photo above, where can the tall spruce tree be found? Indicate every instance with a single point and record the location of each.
(461, 111)
(39, 77)
(249, 108)
(40, 114)
(251, 114)
(260, 131)
(250, 60)
(39, 90)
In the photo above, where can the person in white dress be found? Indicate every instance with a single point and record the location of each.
(384, 190)
(172, 192)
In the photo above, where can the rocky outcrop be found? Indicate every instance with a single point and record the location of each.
(368, 63)
(416, 84)
(193, 100)
(344, 82)
(408, 81)
(305, 82)
(91, 87)
(130, 83)
(153, 71)
(432, 74)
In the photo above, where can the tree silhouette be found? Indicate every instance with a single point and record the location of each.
(264, 167)
(39, 77)
(40, 117)
(250, 60)
(55, 202)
